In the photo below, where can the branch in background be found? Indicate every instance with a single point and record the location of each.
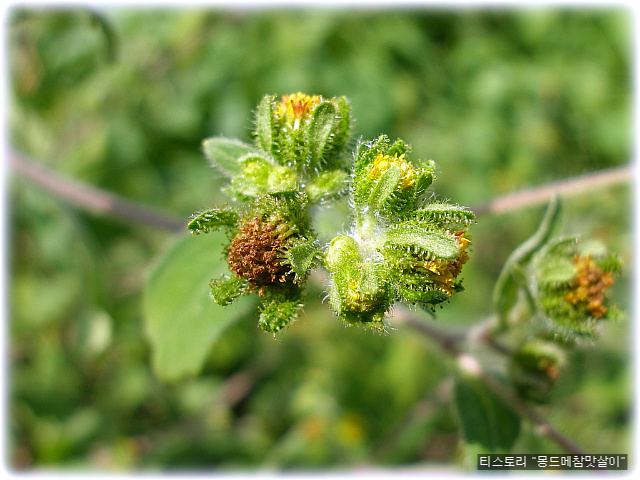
(544, 193)
(89, 198)
(449, 341)
(103, 203)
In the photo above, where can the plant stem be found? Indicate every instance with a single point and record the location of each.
(450, 342)
(89, 198)
(544, 193)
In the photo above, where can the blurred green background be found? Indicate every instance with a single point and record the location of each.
(501, 99)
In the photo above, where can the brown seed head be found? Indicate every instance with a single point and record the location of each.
(255, 254)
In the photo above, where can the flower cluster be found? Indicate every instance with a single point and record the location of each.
(571, 286)
(294, 162)
(271, 252)
(401, 246)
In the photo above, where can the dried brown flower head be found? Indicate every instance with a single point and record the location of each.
(256, 255)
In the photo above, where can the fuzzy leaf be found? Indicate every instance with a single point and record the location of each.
(264, 118)
(277, 313)
(226, 289)
(384, 188)
(182, 323)
(301, 258)
(411, 237)
(561, 271)
(323, 121)
(224, 154)
(444, 213)
(260, 176)
(327, 184)
(429, 297)
(340, 134)
(213, 219)
(424, 177)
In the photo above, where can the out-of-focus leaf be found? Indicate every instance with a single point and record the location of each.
(484, 418)
(182, 322)
(224, 154)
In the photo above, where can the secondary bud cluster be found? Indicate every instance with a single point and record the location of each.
(535, 367)
(306, 133)
(571, 288)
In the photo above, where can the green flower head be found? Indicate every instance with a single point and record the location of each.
(401, 246)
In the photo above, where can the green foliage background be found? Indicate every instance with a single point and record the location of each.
(121, 98)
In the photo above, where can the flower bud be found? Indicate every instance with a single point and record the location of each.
(534, 369)
(306, 133)
(571, 288)
(359, 292)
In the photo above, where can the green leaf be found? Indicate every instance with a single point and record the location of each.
(182, 323)
(411, 237)
(213, 219)
(561, 271)
(277, 313)
(301, 258)
(264, 117)
(327, 184)
(224, 154)
(226, 289)
(444, 213)
(485, 419)
(384, 188)
(322, 123)
(260, 176)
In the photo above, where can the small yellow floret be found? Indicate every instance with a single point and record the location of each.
(589, 286)
(296, 106)
(382, 163)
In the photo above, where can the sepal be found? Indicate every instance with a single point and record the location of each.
(277, 312)
(414, 238)
(213, 219)
(226, 289)
(302, 258)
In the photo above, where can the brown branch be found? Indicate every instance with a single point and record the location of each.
(90, 198)
(103, 203)
(544, 193)
(450, 342)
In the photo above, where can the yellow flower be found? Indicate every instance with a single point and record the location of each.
(296, 106)
(588, 287)
(382, 163)
(444, 272)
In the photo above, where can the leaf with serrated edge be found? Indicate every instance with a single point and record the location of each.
(213, 219)
(438, 244)
(301, 257)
